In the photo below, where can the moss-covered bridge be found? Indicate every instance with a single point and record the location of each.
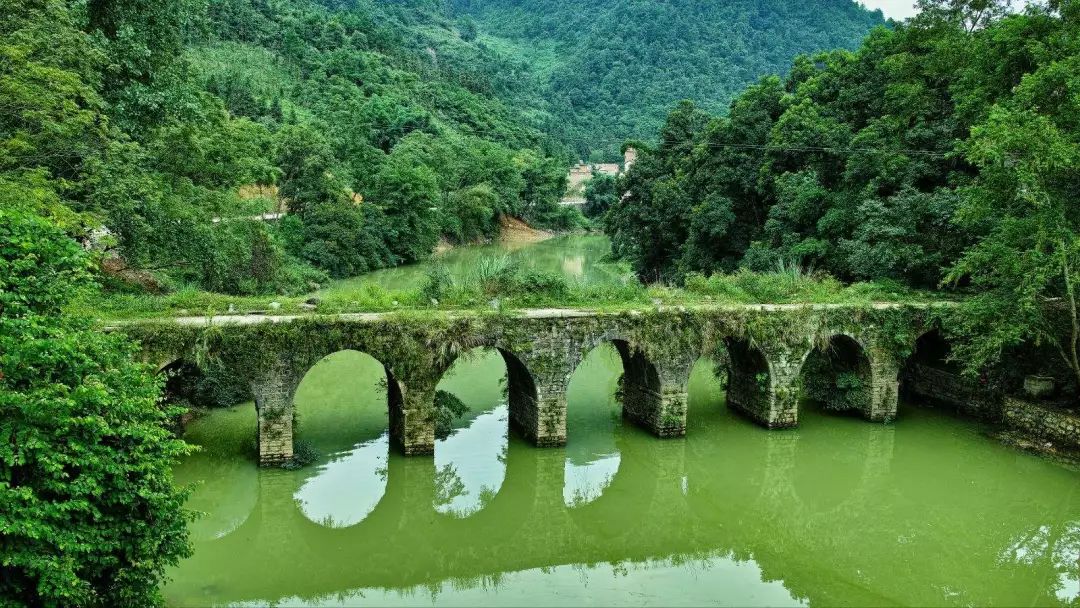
(765, 349)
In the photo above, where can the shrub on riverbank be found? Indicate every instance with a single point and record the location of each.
(88, 509)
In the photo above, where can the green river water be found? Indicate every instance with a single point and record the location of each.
(925, 511)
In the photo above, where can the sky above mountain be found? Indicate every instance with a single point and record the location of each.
(896, 9)
(902, 9)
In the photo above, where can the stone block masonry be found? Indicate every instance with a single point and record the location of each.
(1038, 420)
(766, 348)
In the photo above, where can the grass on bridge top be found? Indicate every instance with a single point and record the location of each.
(510, 286)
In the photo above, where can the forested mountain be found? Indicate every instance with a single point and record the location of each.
(943, 152)
(378, 125)
(611, 70)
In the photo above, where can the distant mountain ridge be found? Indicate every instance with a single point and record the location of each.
(612, 70)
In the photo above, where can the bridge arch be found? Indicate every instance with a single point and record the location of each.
(594, 422)
(837, 375)
(523, 397)
(342, 408)
(751, 383)
(472, 431)
(386, 396)
(275, 391)
(639, 388)
(930, 376)
(178, 375)
(850, 374)
(653, 389)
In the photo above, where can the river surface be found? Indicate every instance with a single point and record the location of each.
(580, 258)
(926, 511)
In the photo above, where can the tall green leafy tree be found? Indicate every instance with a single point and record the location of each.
(650, 224)
(142, 36)
(601, 193)
(88, 509)
(1027, 265)
(409, 197)
(50, 111)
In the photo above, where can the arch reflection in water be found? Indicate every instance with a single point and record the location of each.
(343, 416)
(222, 473)
(593, 415)
(470, 452)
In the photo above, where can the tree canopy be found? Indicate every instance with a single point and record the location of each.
(87, 503)
(609, 71)
(941, 152)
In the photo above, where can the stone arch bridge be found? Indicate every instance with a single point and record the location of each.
(765, 348)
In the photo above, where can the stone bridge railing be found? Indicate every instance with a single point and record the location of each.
(765, 348)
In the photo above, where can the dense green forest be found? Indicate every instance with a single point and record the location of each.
(943, 152)
(146, 131)
(138, 137)
(610, 71)
(381, 128)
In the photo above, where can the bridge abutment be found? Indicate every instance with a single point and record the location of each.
(884, 385)
(537, 395)
(412, 416)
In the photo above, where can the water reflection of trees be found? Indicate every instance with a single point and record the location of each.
(902, 528)
(347, 486)
(448, 487)
(1051, 548)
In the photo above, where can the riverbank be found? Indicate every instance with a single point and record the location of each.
(560, 272)
(514, 233)
(1042, 427)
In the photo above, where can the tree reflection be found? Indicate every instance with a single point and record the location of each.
(1054, 548)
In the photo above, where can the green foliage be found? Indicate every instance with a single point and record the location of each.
(469, 215)
(854, 164)
(156, 118)
(87, 502)
(343, 238)
(832, 383)
(1027, 264)
(942, 150)
(304, 454)
(609, 71)
(409, 197)
(448, 408)
(601, 193)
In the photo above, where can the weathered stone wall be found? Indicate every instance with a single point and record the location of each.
(751, 386)
(884, 385)
(1042, 421)
(1031, 419)
(951, 389)
(766, 349)
(274, 391)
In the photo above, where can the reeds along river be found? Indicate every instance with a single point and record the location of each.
(926, 511)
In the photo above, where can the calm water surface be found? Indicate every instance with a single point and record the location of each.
(926, 511)
(578, 257)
